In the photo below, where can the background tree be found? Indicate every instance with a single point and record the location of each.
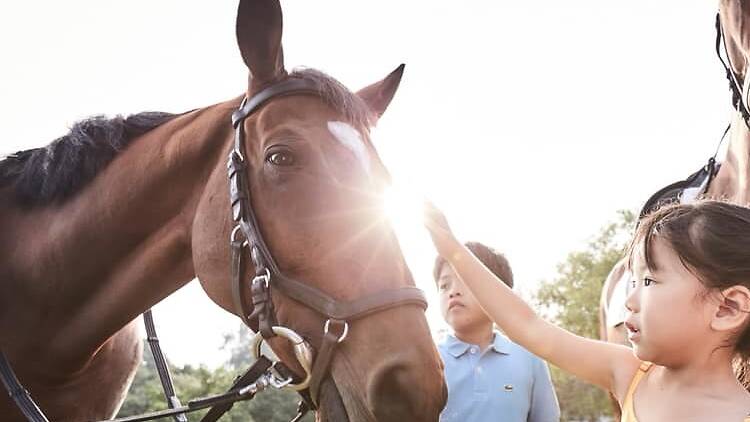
(571, 300)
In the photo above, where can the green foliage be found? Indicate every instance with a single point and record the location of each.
(571, 300)
(192, 382)
(145, 394)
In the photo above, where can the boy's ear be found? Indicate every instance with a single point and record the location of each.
(733, 311)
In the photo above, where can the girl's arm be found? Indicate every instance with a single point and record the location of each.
(606, 365)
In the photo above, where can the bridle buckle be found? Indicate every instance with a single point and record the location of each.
(265, 278)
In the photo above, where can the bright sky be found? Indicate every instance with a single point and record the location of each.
(529, 123)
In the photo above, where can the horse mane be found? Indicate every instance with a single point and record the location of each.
(54, 173)
(41, 176)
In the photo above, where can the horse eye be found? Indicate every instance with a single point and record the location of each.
(281, 159)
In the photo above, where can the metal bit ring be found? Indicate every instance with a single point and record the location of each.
(302, 352)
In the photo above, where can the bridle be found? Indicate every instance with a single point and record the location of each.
(268, 275)
(735, 82)
(703, 177)
(253, 302)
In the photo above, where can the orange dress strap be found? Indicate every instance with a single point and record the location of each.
(628, 412)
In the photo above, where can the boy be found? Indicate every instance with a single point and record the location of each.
(489, 377)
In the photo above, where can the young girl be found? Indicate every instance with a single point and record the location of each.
(688, 316)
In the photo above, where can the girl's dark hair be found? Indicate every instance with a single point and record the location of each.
(712, 239)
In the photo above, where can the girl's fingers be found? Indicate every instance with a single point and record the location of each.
(434, 217)
(437, 224)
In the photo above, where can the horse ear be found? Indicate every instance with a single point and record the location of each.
(380, 94)
(259, 28)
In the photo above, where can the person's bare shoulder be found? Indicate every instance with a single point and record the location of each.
(624, 372)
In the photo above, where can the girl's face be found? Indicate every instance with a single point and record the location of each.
(668, 316)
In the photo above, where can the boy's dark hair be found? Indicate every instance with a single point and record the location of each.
(492, 259)
(712, 239)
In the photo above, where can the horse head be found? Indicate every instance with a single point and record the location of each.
(315, 184)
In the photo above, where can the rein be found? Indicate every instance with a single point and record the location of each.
(20, 396)
(261, 375)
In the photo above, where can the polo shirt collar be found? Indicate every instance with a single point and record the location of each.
(457, 347)
(500, 344)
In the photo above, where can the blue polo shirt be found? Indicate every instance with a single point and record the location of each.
(504, 383)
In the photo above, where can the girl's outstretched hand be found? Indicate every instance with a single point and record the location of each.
(442, 236)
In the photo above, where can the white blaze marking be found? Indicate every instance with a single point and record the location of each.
(352, 140)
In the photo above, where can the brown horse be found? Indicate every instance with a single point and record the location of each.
(110, 219)
(731, 181)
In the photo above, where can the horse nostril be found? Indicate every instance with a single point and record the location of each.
(393, 395)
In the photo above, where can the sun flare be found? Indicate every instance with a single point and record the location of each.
(404, 207)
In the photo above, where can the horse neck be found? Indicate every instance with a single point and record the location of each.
(732, 183)
(90, 265)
